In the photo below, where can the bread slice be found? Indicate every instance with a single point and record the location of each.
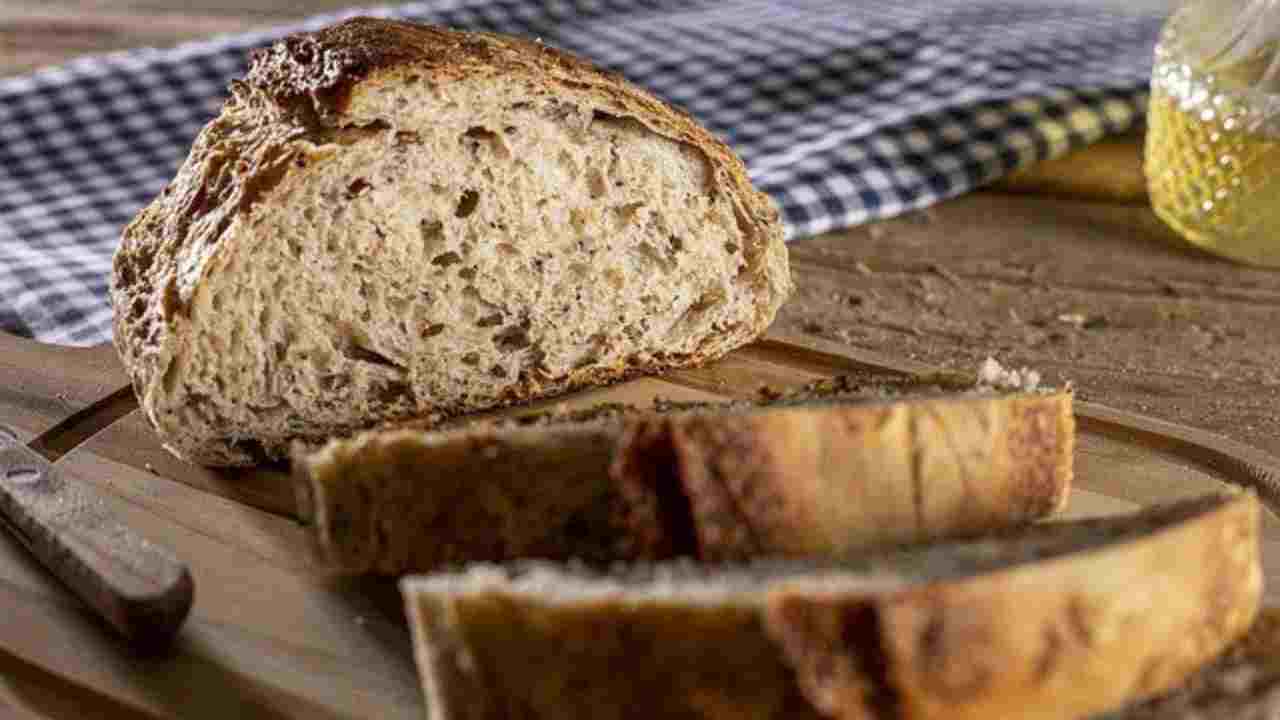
(1242, 684)
(389, 220)
(1051, 621)
(843, 464)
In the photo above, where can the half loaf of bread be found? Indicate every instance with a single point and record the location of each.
(1051, 621)
(388, 220)
(843, 464)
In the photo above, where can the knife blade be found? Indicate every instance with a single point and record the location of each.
(139, 587)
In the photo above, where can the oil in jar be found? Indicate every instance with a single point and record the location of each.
(1213, 148)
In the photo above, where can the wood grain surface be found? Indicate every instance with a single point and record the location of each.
(33, 401)
(1097, 294)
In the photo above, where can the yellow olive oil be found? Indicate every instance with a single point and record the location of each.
(1213, 151)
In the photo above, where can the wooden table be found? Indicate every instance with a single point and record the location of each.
(1063, 269)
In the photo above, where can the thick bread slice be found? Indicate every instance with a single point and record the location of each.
(843, 464)
(389, 220)
(1242, 684)
(1051, 621)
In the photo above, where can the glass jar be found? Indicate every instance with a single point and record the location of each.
(1213, 129)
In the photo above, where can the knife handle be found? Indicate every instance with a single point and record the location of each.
(138, 587)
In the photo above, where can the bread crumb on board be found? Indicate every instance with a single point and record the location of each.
(991, 372)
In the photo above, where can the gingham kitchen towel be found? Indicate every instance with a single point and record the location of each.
(844, 111)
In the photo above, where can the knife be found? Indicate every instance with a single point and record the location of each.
(140, 588)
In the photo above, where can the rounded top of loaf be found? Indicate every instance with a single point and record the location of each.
(325, 64)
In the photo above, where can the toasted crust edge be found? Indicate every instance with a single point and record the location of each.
(1070, 636)
(968, 646)
(752, 480)
(905, 471)
(1243, 683)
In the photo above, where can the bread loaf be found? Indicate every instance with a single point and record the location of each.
(388, 220)
(1051, 621)
(845, 463)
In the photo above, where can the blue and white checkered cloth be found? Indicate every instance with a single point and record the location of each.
(844, 111)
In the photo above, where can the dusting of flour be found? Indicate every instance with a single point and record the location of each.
(994, 374)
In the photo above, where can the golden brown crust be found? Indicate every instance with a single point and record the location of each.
(1039, 433)
(387, 502)
(1242, 684)
(456, 689)
(301, 96)
(323, 66)
(657, 516)
(841, 478)
(1094, 615)
(1070, 636)
(714, 484)
(530, 661)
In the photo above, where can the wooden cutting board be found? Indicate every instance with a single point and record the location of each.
(271, 635)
